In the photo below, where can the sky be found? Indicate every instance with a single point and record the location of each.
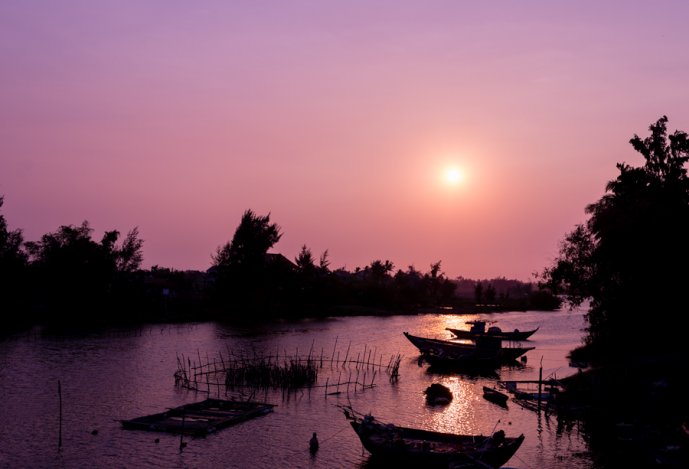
(471, 133)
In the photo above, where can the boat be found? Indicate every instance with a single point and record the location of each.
(495, 396)
(486, 351)
(396, 445)
(199, 418)
(478, 329)
(438, 394)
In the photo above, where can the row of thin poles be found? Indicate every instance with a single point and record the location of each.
(283, 371)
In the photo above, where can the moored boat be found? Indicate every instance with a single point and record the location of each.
(495, 396)
(478, 329)
(395, 444)
(483, 352)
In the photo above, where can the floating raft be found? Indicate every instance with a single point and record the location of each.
(199, 418)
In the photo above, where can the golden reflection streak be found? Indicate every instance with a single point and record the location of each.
(460, 416)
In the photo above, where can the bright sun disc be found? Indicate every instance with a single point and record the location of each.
(453, 176)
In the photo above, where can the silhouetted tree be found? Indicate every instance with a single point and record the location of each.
(313, 285)
(439, 290)
(489, 294)
(73, 273)
(409, 288)
(129, 255)
(324, 262)
(379, 271)
(478, 293)
(631, 258)
(241, 266)
(304, 260)
(12, 267)
(251, 241)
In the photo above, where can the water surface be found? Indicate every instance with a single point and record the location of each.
(125, 373)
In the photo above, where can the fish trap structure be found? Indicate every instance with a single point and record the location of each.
(241, 369)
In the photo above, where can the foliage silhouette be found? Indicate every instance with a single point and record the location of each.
(77, 278)
(70, 280)
(243, 271)
(13, 267)
(631, 258)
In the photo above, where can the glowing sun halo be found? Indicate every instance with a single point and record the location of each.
(453, 176)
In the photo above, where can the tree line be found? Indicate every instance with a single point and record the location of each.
(68, 277)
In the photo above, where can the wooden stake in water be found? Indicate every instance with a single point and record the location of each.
(59, 396)
(182, 444)
(332, 356)
(540, 383)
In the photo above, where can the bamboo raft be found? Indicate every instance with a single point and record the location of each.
(199, 418)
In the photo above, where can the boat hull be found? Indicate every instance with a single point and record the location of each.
(401, 445)
(495, 396)
(483, 353)
(515, 335)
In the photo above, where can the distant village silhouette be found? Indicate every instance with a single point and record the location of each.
(68, 278)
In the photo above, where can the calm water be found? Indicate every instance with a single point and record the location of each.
(121, 374)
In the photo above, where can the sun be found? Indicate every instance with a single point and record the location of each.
(453, 176)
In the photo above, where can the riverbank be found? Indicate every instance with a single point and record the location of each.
(633, 410)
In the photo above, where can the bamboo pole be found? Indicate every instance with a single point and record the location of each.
(181, 434)
(59, 395)
(347, 354)
(540, 383)
(333, 354)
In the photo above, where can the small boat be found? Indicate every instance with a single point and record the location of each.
(478, 329)
(495, 396)
(199, 418)
(484, 352)
(401, 445)
(438, 394)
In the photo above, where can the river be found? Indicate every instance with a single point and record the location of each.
(124, 373)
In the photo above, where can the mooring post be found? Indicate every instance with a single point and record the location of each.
(181, 433)
(540, 383)
(59, 396)
(332, 356)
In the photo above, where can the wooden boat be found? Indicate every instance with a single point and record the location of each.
(478, 329)
(401, 445)
(199, 418)
(486, 351)
(438, 394)
(495, 396)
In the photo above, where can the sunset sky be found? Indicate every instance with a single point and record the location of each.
(474, 133)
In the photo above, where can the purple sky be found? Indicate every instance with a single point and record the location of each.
(339, 119)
